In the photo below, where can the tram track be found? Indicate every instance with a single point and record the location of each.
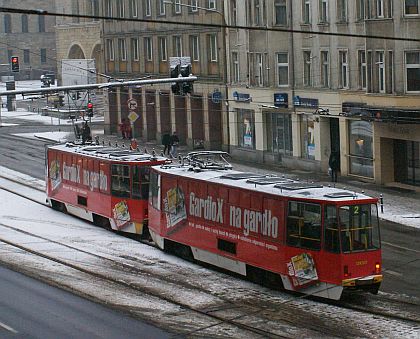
(272, 311)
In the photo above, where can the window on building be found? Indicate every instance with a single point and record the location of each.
(193, 6)
(108, 8)
(148, 48)
(391, 76)
(110, 50)
(211, 4)
(162, 7)
(362, 69)
(279, 127)
(380, 63)
(360, 9)
(304, 225)
(7, 23)
(361, 148)
(282, 69)
(342, 10)
(412, 71)
(122, 50)
(133, 8)
(213, 47)
(344, 69)
(235, 67)
(308, 137)
(195, 48)
(147, 8)
(411, 7)
(93, 8)
(135, 49)
(325, 69)
(163, 53)
(43, 55)
(177, 40)
(177, 7)
(379, 8)
(233, 12)
(280, 12)
(259, 69)
(306, 11)
(120, 9)
(120, 181)
(246, 128)
(307, 63)
(257, 13)
(323, 11)
(41, 23)
(24, 19)
(26, 56)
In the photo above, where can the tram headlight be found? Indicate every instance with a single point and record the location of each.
(377, 268)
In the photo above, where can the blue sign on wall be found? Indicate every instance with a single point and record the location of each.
(216, 97)
(305, 102)
(281, 100)
(244, 97)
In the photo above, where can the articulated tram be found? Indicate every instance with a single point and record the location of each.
(105, 185)
(306, 237)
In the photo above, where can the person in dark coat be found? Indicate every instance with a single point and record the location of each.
(166, 142)
(334, 165)
(174, 144)
(86, 136)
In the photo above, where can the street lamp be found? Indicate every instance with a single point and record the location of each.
(222, 15)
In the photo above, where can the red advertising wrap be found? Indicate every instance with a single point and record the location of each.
(309, 236)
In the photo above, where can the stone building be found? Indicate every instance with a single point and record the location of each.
(29, 37)
(295, 97)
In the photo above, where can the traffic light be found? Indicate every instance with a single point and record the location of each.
(14, 61)
(175, 87)
(187, 87)
(89, 109)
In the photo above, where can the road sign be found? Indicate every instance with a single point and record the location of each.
(133, 116)
(132, 104)
(216, 97)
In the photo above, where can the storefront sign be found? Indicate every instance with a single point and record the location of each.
(243, 97)
(281, 100)
(305, 102)
(216, 97)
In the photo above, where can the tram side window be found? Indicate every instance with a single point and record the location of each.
(304, 225)
(358, 230)
(120, 183)
(154, 190)
(331, 236)
(140, 182)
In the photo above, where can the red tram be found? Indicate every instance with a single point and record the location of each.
(308, 238)
(108, 186)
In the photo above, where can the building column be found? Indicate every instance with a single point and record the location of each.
(206, 120)
(344, 148)
(296, 136)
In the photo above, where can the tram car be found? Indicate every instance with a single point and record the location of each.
(302, 236)
(106, 185)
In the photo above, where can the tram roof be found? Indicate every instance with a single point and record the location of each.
(278, 185)
(111, 153)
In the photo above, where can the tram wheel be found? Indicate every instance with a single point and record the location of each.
(58, 206)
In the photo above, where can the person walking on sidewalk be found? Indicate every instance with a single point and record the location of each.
(174, 144)
(166, 142)
(334, 165)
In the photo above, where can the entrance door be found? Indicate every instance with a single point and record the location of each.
(335, 136)
(413, 162)
(407, 162)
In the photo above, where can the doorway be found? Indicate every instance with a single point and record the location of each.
(407, 162)
(335, 136)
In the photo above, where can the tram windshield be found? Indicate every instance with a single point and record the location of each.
(357, 228)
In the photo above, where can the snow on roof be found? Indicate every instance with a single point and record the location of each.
(277, 185)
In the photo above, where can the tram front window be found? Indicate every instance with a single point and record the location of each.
(359, 228)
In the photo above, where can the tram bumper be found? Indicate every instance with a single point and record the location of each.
(369, 283)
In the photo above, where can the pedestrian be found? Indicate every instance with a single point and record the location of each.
(334, 164)
(128, 130)
(174, 144)
(166, 142)
(86, 135)
(123, 130)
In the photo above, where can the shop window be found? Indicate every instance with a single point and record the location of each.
(308, 137)
(246, 128)
(304, 225)
(120, 182)
(279, 127)
(361, 148)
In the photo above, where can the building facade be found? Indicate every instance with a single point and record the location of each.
(295, 97)
(29, 37)
(141, 47)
